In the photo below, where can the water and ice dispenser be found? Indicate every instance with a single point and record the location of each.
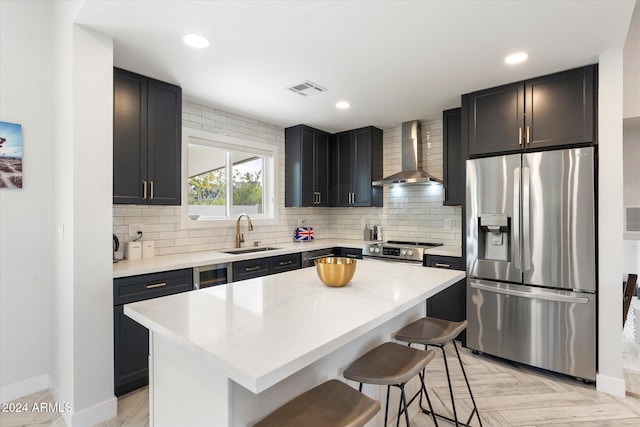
(494, 237)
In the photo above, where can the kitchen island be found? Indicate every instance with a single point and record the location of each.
(228, 355)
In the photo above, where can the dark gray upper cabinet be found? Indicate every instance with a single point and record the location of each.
(554, 110)
(454, 156)
(356, 161)
(147, 140)
(306, 167)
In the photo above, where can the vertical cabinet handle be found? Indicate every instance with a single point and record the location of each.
(151, 184)
(319, 198)
(520, 136)
(528, 140)
(144, 190)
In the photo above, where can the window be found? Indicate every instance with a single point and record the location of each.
(226, 177)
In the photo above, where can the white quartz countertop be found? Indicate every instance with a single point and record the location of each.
(259, 331)
(156, 264)
(126, 268)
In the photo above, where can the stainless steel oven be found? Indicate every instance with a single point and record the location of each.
(212, 275)
(397, 251)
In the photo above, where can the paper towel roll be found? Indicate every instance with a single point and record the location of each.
(148, 249)
(133, 250)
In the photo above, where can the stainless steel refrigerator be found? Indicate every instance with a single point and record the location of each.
(531, 259)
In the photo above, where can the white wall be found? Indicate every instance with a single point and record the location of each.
(610, 257)
(632, 66)
(25, 232)
(92, 197)
(55, 272)
(82, 304)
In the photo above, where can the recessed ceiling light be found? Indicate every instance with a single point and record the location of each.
(343, 105)
(195, 40)
(516, 58)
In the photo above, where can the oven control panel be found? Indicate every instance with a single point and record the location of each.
(393, 252)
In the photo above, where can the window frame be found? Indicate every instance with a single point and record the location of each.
(270, 174)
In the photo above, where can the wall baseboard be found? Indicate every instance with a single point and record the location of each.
(23, 388)
(610, 385)
(89, 416)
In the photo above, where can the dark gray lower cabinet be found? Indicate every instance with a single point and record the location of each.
(282, 263)
(258, 267)
(243, 270)
(131, 340)
(449, 304)
(348, 252)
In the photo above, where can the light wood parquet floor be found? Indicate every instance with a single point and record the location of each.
(507, 394)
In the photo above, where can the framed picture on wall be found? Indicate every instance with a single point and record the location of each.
(10, 155)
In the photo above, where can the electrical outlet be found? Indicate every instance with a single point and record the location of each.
(134, 228)
(447, 224)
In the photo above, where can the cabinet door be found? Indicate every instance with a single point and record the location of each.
(453, 158)
(131, 353)
(243, 270)
(307, 173)
(282, 263)
(349, 252)
(343, 168)
(147, 286)
(321, 168)
(496, 119)
(129, 137)
(560, 108)
(165, 143)
(449, 304)
(361, 167)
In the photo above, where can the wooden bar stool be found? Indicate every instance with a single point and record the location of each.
(392, 364)
(438, 332)
(331, 404)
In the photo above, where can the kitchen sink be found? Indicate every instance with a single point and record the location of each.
(249, 250)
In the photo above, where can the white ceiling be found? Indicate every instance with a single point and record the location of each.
(393, 60)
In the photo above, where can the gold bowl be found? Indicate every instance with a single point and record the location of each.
(335, 271)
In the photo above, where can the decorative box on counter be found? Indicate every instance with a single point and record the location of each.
(303, 234)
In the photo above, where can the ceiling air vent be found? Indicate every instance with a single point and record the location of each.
(307, 88)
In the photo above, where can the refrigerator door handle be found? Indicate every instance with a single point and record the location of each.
(516, 218)
(548, 296)
(526, 220)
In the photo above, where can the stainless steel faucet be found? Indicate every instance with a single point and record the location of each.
(240, 236)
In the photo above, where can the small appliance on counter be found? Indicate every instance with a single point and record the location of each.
(116, 247)
(148, 249)
(303, 234)
(133, 250)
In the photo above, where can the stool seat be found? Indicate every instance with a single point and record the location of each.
(392, 364)
(331, 404)
(430, 331)
(389, 364)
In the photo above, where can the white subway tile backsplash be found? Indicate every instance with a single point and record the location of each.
(409, 213)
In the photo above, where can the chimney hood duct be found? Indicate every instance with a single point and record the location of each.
(412, 172)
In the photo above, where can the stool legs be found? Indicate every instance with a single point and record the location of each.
(475, 408)
(403, 406)
(453, 404)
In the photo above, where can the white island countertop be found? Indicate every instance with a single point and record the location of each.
(259, 331)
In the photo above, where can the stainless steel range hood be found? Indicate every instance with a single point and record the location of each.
(411, 172)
